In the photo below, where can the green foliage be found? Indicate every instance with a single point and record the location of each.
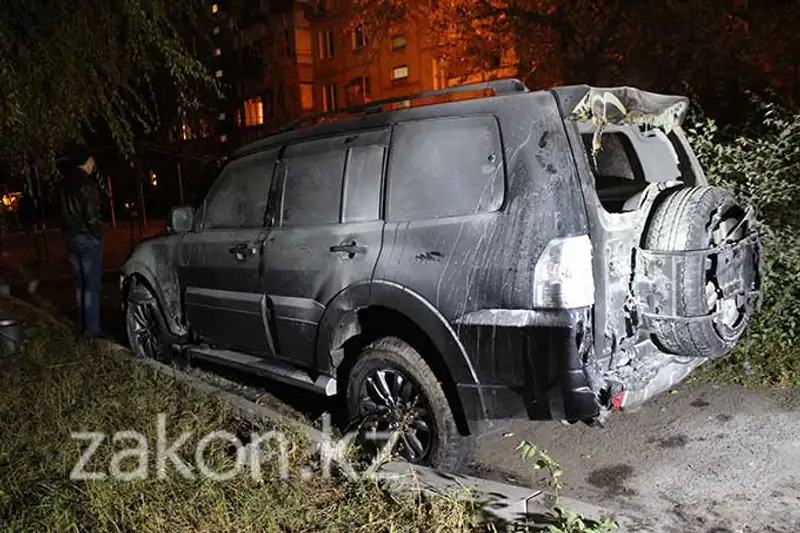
(569, 521)
(564, 520)
(761, 165)
(72, 66)
(541, 459)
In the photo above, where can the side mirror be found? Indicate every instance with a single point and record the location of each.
(181, 219)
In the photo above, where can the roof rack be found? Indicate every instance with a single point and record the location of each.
(499, 87)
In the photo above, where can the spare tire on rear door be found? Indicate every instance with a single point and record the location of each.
(708, 317)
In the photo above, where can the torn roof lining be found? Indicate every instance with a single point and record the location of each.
(627, 105)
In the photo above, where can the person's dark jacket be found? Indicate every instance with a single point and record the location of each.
(79, 199)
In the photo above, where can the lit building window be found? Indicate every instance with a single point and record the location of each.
(253, 111)
(223, 138)
(302, 40)
(306, 96)
(214, 8)
(217, 52)
(218, 73)
(325, 42)
(216, 30)
(222, 116)
(329, 97)
(400, 73)
(359, 39)
(399, 42)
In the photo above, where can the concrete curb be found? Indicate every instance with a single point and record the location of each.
(504, 503)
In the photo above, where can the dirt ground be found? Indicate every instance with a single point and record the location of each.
(701, 460)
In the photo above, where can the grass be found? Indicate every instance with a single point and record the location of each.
(755, 363)
(55, 387)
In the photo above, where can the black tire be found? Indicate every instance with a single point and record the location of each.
(693, 219)
(143, 324)
(446, 449)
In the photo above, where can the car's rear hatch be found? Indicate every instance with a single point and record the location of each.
(631, 153)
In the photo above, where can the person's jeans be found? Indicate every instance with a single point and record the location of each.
(86, 256)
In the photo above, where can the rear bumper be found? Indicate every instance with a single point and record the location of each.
(536, 364)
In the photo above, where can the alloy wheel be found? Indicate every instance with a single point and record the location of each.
(390, 401)
(143, 330)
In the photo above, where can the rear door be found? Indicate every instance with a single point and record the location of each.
(626, 175)
(327, 233)
(220, 262)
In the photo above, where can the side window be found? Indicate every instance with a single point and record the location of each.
(238, 199)
(362, 185)
(445, 168)
(312, 190)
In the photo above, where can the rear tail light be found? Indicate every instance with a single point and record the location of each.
(563, 278)
(618, 401)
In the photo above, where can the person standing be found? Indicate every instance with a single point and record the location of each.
(79, 199)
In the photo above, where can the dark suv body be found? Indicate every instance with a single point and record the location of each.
(445, 267)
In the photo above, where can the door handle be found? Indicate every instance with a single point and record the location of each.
(242, 250)
(350, 247)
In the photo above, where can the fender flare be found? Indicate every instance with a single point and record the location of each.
(138, 268)
(398, 298)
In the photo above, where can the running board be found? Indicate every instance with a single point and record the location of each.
(323, 384)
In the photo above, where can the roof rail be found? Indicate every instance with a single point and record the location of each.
(499, 87)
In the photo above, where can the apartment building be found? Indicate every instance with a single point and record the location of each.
(261, 53)
(272, 73)
(348, 71)
(281, 59)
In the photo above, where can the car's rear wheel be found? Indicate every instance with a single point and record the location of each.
(142, 324)
(392, 389)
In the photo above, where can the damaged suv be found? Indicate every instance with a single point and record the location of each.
(437, 270)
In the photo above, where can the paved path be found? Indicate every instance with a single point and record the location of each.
(701, 460)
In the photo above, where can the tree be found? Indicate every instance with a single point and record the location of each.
(718, 48)
(72, 66)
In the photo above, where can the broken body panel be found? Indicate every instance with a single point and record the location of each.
(636, 288)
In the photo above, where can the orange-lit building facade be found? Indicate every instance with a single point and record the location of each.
(272, 70)
(349, 71)
(280, 59)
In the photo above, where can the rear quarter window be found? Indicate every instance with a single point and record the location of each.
(444, 168)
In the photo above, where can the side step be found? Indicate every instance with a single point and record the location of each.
(322, 385)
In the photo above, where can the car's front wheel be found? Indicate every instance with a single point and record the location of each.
(392, 390)
(142, 324)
